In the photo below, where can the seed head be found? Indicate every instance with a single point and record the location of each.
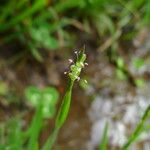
(76, 67)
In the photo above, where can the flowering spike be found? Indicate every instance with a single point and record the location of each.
(75, 68)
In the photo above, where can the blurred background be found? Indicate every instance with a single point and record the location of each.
(37, 37)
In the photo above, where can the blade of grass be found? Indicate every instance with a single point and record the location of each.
(28, 12)
(137, 132)
(64, 109)
(104, 142)
(38, 5)
(64, 5)
(35, 128)
(61, 117)
(51, 140)
(7, 10)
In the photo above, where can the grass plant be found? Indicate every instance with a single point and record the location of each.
(75, 70)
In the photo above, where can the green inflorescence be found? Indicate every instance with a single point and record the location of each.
(76, 68)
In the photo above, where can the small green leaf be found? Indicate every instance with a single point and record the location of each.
(47, 97)
(49, 111)
(42, 36)
(51, 42)
(50, 96)
(33, 94)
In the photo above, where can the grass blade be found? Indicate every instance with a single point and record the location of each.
(137, 130)
(35, 128)
(61, 117)
(28, 12)
(104, 142)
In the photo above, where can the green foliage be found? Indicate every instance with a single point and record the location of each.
(146, 12)
(43, 38)
(47, 97)
(39, 4)
(13, 131)
(36, 23)
(13, 136)
(44, 101)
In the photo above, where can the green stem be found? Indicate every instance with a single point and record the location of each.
(51, 140)
(61, 117)
(35, 128)
(65, 106)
